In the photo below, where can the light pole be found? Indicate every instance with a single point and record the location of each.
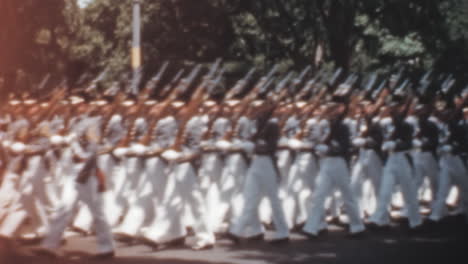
(136, 47)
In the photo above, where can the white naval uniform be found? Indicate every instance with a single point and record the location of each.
(183, 203)
(84, 218)
(212, 164)
(85, 192)
(333, 174)
(152, 182)
(426, 169)
(235, 169)
(366, 173)
(302, 174)
(262, 180)
(134, 172)
(113, 133)
(453, 172)
(157, 168)
(397, 170)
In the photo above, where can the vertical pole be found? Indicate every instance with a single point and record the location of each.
(136, 47)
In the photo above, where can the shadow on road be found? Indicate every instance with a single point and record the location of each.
(442, 243)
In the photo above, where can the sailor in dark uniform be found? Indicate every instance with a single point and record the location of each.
(262, 180)
(333, 172)
(397, 170)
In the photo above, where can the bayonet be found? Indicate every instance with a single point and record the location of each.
(153, 83)
(215, 82)
(283, 82)
(298, 80)
(371, 82)
(240, 84)
(335, 76)
(44, 81)
(186, 82)
(263, 81)
(172, 83)
(379, 89)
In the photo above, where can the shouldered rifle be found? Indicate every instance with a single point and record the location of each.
(424, 83)
(294, 86)
(380, 88)
(283, 83)
(153, 83)
(262, 83)
(166, 90)
(240, 84)
(332, 82)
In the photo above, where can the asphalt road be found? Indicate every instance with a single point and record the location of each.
(446, 242)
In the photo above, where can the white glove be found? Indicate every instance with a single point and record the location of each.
(18, 147)
(417, 143)
(171, 154)
(294, 143)
(57, 140)
(70, 138)
(138, 149)
(446, 149)
(247, 146)
(359, 142)
(120, 152)
(223, 145)
(6, 143)
(389, 146)
(321, 149)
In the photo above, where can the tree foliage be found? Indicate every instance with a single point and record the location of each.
(58, 36)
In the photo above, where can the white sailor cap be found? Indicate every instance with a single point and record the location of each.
(150, 102)
(178, 104)
(128, 103)
(30, 102)
(76, 100)
(232, 102)
(15, 102)
(301, 104)
(209, 103)
(99, 102)
(257, 102)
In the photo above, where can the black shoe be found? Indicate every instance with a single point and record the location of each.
(45, 252)
(376, 228)
(235, 239)
(278, 241)
(417, 230)
(258, 237)
(148, 242)
(178, 242)
(310, 236)
(269, 226)
(104, 256)
(205, 247)
(298, 227)
(358, 235)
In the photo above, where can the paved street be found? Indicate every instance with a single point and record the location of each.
(446, 243)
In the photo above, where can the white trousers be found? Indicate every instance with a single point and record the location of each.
(210, 184)
(300, 184)
(426, 167)
(261, 181)
(87, 193)
(452, 172)
(232, 182)
(333, 174)
(182, 196)
(397, 170)
(150, 189)
(365, 180)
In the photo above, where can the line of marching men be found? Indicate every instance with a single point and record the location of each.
(149, 170)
